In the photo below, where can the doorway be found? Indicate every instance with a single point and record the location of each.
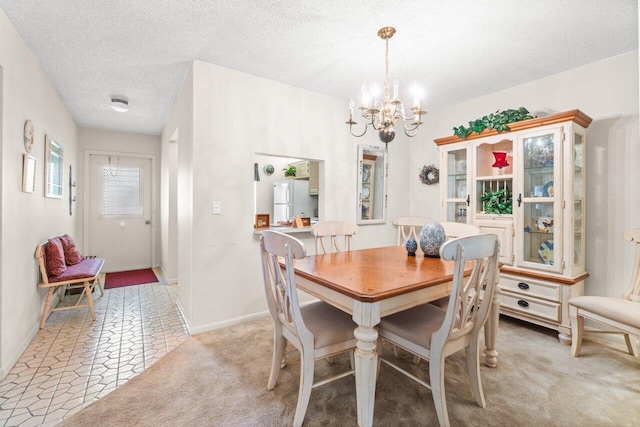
(120, 223)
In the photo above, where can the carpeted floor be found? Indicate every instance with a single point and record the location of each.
(219, 378)
(129, 278)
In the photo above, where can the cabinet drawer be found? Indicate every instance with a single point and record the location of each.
(530, 306)
(526, 287)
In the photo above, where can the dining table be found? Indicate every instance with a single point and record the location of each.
(372, 283)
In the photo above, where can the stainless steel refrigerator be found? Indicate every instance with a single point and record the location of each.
(291, 198)
(282, 200)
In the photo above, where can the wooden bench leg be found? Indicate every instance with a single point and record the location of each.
(87, 289)
(100, 280)
(47, 306)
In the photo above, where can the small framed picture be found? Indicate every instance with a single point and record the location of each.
(262, 221)
(29, 174)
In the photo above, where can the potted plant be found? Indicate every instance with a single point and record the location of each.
(290, 172)
(497, 202)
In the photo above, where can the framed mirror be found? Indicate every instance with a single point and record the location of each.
(372, 185)
(29, 174)
(53, 168)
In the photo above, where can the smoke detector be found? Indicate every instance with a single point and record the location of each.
(120, 104)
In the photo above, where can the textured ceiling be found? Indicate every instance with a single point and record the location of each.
(457, 50)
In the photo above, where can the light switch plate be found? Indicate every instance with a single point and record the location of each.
(217, 208)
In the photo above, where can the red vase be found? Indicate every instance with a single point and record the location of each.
(500, 159)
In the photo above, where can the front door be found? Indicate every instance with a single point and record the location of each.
(120, 211)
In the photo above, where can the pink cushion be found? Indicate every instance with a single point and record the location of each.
(72, 255)
(89, 267)
(55, 258)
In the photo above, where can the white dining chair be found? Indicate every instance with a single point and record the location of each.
(620, 315)
(453, 230)
(334, 236)
(409, 227)
(317, 330)
(432, 333)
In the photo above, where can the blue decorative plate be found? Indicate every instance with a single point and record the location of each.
(545, 252)
(547, 190)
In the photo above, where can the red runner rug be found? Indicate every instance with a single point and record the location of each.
(129, 278)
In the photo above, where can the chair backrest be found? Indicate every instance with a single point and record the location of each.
(471, 296)
(409, 226)
(280, 285)
(453, 230)
(633, 292)
(334, 236)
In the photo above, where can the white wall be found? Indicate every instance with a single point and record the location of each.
(27, 218)
(607, 91)
(176, 176)
(222, 252)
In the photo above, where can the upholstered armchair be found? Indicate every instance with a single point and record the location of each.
(621, 315)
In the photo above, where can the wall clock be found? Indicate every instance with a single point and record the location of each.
(268, 169)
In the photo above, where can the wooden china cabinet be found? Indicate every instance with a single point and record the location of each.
(534, 176)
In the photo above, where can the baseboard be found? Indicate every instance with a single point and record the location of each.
(184, 317)
(230, 322)
(6, 368)
(167, 280)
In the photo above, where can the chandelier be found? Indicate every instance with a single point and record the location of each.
(383, 115)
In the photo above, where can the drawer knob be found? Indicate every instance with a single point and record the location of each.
(523, 286)
(523, 303)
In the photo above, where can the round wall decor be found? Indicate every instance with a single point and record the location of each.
(268, 169)
(28, 135)
(430, 175)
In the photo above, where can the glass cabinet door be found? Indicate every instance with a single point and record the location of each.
(578, 200)
(539, 201)
(456, 189)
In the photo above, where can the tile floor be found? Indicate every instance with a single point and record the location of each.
(74, 361)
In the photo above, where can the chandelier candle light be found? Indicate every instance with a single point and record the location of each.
(383, 115)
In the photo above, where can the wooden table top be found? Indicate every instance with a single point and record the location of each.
(371, 275)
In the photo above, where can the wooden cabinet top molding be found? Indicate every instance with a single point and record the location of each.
(574, 115)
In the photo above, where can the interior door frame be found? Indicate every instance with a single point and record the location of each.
(154, 199)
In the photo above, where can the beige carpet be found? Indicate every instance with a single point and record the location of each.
(219, 379)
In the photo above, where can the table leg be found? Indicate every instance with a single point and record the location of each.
(366, 315)
(491, 332)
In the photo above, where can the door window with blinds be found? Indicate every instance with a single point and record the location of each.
(121, 191)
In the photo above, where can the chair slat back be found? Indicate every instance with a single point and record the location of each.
(334, 236)
(409, 227)
(453, 230)
(471, 296)
(633, 292)
(40, 255)
(279, 281)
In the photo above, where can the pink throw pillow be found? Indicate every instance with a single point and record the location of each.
(55, 258)
(72, 255)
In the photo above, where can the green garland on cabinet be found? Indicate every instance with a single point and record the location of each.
(498, 121)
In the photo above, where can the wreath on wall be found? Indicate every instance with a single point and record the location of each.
(429, 175)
